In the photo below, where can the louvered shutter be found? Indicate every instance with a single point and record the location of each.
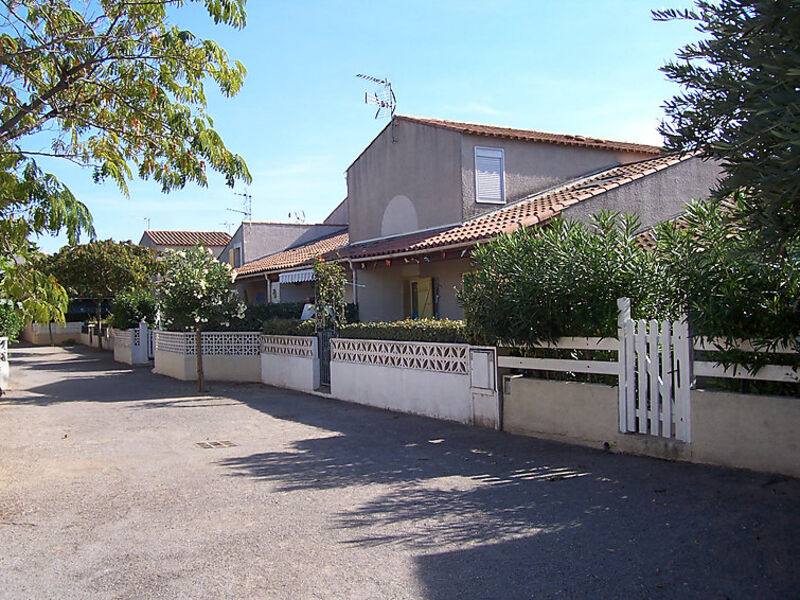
(489, 175)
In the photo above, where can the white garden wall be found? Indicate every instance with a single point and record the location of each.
(227, 356)
(40, 334)
(123, 342)
(130, 345)
(421, 378)
(290, 362)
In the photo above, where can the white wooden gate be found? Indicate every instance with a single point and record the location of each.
(654, 376)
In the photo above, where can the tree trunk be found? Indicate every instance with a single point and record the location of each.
(99, 326)
(198, 351)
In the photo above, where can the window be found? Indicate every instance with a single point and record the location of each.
(489, 175)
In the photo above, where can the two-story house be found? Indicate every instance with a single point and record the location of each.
(425, 191)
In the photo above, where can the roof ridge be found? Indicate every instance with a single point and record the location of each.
(565, 137)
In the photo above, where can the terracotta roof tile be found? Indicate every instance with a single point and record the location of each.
(527, 135)
(531, 211)
(294, 257)
(188, 238)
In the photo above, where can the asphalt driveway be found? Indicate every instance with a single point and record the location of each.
(117, 483)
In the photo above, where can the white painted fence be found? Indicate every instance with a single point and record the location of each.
(654, 376)
(655, 369)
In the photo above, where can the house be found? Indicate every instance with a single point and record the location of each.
(424, 192)
(253, 241)
(215, 241)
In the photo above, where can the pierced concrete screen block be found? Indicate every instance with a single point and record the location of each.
(482, 369)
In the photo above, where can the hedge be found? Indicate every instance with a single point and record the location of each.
(411, 330)
(287, 327)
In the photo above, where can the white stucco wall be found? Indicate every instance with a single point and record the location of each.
(123, 351)
(244, 369)
(439, 395)
(292, 372)
(40, 334)
(452, 396)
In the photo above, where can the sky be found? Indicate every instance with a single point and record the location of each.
(574, 66)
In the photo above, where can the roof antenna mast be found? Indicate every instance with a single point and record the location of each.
(383, 98)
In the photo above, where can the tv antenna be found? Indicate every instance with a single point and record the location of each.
(147, 223)
(297, 216)
(247, 205)
(383, 98)
(227, 225)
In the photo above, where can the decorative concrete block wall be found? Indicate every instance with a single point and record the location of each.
(290, 362)
(431, 379)
(227, 356)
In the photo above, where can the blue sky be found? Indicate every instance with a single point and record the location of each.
(583, 67)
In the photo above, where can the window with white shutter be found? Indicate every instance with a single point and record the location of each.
(489, 176)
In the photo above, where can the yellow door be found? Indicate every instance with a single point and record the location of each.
(425, 297)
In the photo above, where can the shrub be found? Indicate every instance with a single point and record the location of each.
(413, 330)
(131, 307)
(256, 315)
(11, 322)
(561, 280)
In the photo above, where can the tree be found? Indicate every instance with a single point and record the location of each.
(195, 295)
(329, 304)
(112, 86)
(101, 270)
(741, 105)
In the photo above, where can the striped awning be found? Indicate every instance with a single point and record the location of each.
(296, 276)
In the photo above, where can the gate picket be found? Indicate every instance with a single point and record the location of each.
(652, 372)
(666, 379)
(655, 376)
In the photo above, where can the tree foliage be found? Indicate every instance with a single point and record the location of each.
(539, 284)
(11, 322)
(741, 104)
(195, 293)
(329, 306)
(131, 307)
(102, 269)
(716, 271)
(111, 85)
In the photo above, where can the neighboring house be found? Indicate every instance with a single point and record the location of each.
(254, 241)
(287, 276)
(421, 197)
(215, 241)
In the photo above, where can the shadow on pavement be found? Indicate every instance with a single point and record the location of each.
(489, 515)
